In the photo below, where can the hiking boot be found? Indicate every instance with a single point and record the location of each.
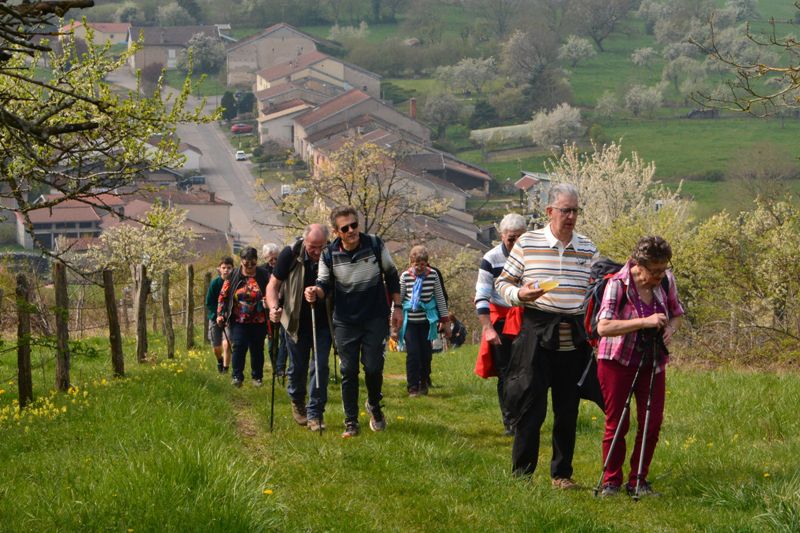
(423, 388)
(316, 424)
(220, 368)
(645, 489)
(610, 490)
(377, 422)
(257, 383)
(564, 483)
(413, 392)
(299, 413)
(351, 429)
(237, 383)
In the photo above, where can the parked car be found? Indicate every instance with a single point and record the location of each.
(188, 181)
(287, 189)
(242, 128)
(240, 155)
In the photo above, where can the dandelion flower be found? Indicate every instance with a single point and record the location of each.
(766, 474)
(401, 418)
(268, 491)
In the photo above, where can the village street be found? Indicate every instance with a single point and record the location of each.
(231, 180)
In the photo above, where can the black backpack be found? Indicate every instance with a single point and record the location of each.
(603, 270)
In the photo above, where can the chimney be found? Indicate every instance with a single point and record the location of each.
(412, 108)
(212, 196)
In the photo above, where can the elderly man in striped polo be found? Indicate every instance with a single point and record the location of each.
(551, 350)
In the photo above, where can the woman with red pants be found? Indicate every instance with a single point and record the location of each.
(638, 311)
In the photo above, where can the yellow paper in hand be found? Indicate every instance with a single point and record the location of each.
(548, 285)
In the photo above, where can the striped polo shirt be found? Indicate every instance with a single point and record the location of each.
(354, 277)
(431, 288)
(491, 267)
(539, 255)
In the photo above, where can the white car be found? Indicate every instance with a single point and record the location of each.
(240, 155)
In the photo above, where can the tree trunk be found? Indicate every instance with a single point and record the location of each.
(189, 307)
(206, 284)
(24, 378)
(165, 310)
(114, 336)
(141, 314)
(62, 326)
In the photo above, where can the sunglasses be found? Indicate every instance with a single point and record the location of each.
(569, 210)
(347, 227)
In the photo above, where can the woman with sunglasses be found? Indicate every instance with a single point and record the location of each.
(242, 305)
(637, 318)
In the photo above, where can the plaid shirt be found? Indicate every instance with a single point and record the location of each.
(621, 348)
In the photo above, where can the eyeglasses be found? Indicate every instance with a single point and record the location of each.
(347, 227)
(569, 210)
(657, 273)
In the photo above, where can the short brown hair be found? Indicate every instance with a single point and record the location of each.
(342, 211)
(418, 253)
(652, 249)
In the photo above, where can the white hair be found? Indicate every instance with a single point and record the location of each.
(561, 189)
(270, 249)
(513, 222)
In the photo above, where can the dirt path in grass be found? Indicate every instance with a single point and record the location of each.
(248, 427)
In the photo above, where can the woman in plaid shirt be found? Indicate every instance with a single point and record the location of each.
(636, 310)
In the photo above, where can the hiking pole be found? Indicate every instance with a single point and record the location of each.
(273, 359)
(625, 411)
(646, 418)
(315, 351)
(335, 364)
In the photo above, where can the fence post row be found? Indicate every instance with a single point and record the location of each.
(141, 313)
(206, 284)
(62, 326)
(165, 310)
(189, 307)
(24, 378)
(114, 336)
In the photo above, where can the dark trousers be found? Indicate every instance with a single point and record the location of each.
(560, 372)
(303, 367)
(615, 382)
(248, 337)
(364, 342)
(418, 354)
(501, 355)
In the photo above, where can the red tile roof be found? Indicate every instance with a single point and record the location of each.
(332, 107)
(298, 63)
(64, 213)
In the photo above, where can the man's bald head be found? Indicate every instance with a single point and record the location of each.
(315, 237)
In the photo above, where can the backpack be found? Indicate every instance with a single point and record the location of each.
(375, 244)
(603, 270)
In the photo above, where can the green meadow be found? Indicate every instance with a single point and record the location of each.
(174, 447)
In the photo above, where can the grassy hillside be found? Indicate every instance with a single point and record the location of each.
(173, 447)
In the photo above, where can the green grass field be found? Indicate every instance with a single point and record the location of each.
(173, 447)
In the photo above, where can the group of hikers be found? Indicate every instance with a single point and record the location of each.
(530, 300)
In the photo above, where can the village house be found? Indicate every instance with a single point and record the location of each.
(162, 46)
(104, 32)
(323, 68)
(277, 44)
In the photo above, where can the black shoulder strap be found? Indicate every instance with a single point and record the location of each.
(376, 249)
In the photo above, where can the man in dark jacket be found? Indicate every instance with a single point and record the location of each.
(358, 272)
(296, 269)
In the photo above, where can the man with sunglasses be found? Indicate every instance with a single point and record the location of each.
(357, 271)
(551, 350)
(493, 310)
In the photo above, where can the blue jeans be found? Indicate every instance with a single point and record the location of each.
(244, 337)
(366, 342)
(301, 368)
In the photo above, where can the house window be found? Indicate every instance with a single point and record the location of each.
(85, 225)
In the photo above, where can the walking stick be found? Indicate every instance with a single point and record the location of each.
(273, 359)
(335, 364)
(315, 350)
(646, 418)
(625, 411)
